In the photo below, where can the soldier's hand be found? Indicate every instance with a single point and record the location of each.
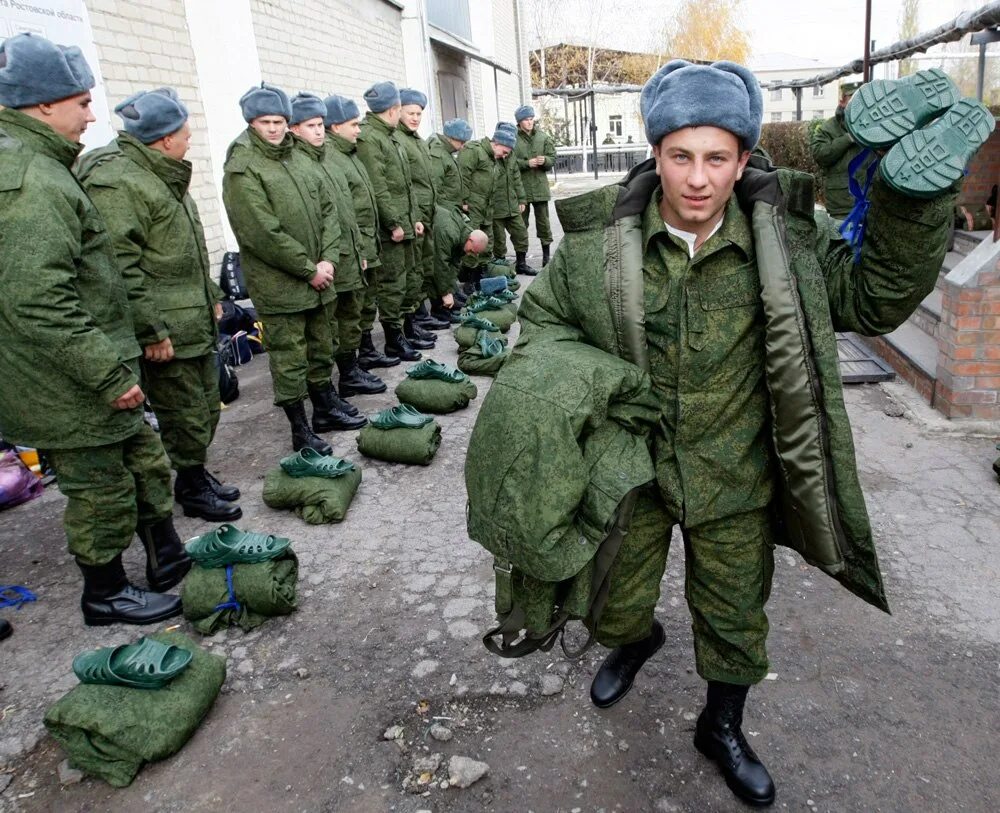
(324, 276)
(364, 265)
(520, 207)
(418, 227)
(448, 301)
(465, 207)
(129, 399)
(218, 311)
(397, 234)
(159, 352)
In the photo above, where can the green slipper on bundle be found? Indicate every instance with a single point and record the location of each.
(430, 370)
(228, 545)
(146, 664)
(402, 416)
(309, 463)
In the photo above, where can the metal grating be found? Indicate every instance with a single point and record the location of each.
(858, 364)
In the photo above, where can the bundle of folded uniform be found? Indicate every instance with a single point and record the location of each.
(435, 388)
(486, 356)
(401, 434)
(318, 487)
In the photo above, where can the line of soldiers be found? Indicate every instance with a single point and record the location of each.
(107, 301)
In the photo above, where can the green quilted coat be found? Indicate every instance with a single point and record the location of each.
(381, 151)
(535, 179)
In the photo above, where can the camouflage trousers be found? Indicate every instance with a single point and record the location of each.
(420, 281)
(347, 327)
(109, 490)
(300, 351)
(386, 293)
(184, 394)
(543, 229)
(727, 580)
(518, 235)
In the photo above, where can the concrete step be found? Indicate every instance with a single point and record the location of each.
(912, 354)
(966, 241)
(927, 316)
(951, 259)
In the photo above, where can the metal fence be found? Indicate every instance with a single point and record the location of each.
(612, 158)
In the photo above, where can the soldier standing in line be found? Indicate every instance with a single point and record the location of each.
(381, 151)
(343, 125)
(286, 225)
(140, 184)
(70, 361)
(535, 154)
(509, 203)
(478, 161)
(308, 115)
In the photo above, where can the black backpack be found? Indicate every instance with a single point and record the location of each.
(231, 279)
(229, 384)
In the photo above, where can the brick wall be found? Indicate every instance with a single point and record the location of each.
(144, 44)
(968, 373)
(984, 172)
(328, 46)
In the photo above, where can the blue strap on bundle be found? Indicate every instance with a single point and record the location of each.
(853, 227)
(232, 604)
(13, 595)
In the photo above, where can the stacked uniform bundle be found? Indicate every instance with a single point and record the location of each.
(401, 435)
(319, 488)
(486, 356)
(436, 388)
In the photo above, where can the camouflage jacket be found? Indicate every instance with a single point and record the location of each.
(348, 276)
(508, 194)
(535, 179)
(344, 155)
(381, 151)
(451, 231)
(421, 172)
(809, 286)
(285, 222)
(159, 241)
(834, 149)
(479, 177)
(445, 172)
(68, 343)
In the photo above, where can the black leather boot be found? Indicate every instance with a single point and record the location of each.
(369, 356)
(166, 560)
(460, 297)
(354, 380)
(428, 321)
(5, 629)
(194, 493)
(302, 433)
(521, 265)
(616, 675)
(415, 336)
(545, 254)
(443, 313)
(398, 345)
(222, 490)
(108, 598)
(329, 414)
(719, 737)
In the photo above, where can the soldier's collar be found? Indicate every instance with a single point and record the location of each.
(735, 227)
(38, 136)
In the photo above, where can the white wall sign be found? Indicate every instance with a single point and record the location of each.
(64, 22)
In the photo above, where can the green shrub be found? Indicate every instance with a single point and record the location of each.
(787, 142)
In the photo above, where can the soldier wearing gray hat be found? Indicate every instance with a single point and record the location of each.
(70, 360)
(509, 205)
(140, 185)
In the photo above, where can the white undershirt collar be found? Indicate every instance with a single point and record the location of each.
(690, 237)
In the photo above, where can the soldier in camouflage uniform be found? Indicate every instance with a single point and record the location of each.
(478, 162)
(509, 204)
(343, 126)
(732, 312)
(70, 360)
(285, 222)
(833, 149)
(308, 114)
(381, 151)
(420, 323)
(535, 154)
(139, 183)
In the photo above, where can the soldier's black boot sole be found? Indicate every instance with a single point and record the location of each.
(617, 674)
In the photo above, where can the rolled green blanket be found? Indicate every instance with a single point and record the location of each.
(111, 731)
(437, 397)
(263, 590)
(472, 361)
(401, 445)
(317, 500)
(503, 317)
(465, 335)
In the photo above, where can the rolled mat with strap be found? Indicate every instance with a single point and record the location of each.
(472, 361)
(437, 397)
(401, 445)
(503, 318)
(111, 731)
(247, 598)
(316, 500)
(465, 335)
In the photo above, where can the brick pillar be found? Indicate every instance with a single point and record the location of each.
(968, 373)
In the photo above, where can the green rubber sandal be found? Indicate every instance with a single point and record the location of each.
(479, 324)
(484, 304)
(490, 347)
(310, 463)
(400, 417)
(146, 664)
(430, 370)
(929, 161)
(228, 545)
(882, 112)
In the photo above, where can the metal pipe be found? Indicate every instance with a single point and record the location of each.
(867, 72)
(593, 128)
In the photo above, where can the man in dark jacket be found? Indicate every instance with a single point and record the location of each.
(711, 271)
(833, 149)
(286, 225)
(70, 359)
(535, 154)
(139, 183)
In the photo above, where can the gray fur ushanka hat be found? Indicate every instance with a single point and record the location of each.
(34, 70)
(151, 115)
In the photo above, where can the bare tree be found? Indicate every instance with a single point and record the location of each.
(909, 18)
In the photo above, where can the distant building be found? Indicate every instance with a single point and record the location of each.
(780, 105)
